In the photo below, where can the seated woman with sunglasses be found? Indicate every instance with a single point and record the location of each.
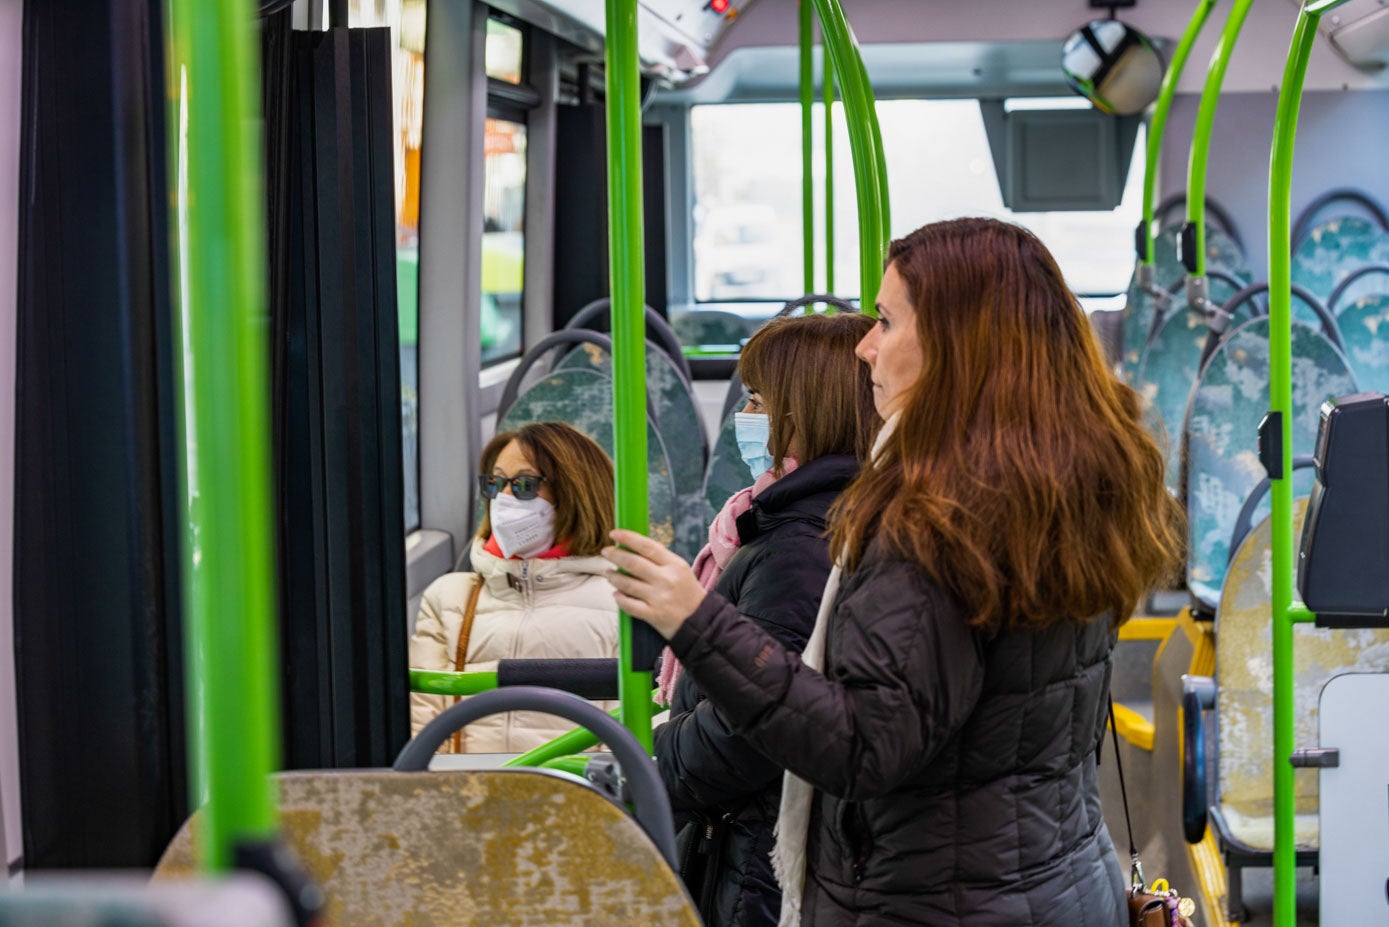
(537, 590)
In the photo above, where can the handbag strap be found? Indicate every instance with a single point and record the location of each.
(460, 653)
(1136, 871)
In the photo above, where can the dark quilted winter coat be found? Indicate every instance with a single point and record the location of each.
(955, 769)
(725, 789)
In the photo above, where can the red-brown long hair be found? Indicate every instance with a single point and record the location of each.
(1020, 475)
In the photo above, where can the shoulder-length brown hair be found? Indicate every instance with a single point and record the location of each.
(1019, 475)
(817, 394)
(578, 473)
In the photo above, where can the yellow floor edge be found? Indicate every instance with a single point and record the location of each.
(1210, 876)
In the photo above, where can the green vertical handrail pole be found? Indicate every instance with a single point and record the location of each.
(1280, 402)
(829, 170)
(879, 155)
(807, 33)
(626, 259)
(225, 404)
(1199, 158)
(859, 116)
(1158, 126)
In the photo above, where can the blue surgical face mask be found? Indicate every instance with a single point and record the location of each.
(752, 431)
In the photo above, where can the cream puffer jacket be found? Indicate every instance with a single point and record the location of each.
(527, 609)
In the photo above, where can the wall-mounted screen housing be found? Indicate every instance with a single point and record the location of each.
(1051, 160)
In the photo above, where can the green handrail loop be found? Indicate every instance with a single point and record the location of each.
(807, 42)
(1284, 611)
(1156, 129)
(224, 404)
(576, 741)
(626, 278)
(445, 682)
(1199, 158)
(865, 144)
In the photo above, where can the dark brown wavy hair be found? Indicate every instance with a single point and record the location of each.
(580, 475)
(1019, 475)
(817, 394)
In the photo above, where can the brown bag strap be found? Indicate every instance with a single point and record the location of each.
(460, 654)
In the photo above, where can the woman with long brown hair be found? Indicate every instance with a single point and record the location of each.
(940, 731)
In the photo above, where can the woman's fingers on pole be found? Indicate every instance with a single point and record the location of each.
(641, 544)
(629, 562)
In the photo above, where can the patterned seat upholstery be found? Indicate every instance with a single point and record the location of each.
(1330, 252)
(1222, 437)
(677, 419)
(1221, 253)
(584, 398)
(1244, 698)
(1167, 373)
(1364, 325)
(429, 849)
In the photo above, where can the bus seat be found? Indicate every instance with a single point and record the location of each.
(484, 847)
(1241, 809)
(712, 328)
(1221, 436)
(1364, 327)
(584, 398)
(676, 416)
(1222, 253)
(1333, 250)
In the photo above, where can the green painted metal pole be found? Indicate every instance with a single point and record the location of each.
(829, 171)
(842, 48)
(626, 259)
(224, 403)
(1159, 123)
(1199, 159)
(807, 33)
(1280, 401)
(576, 741)
(442, 682)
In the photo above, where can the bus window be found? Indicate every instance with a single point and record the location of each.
(747, 212)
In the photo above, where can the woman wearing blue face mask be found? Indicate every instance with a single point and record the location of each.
(807, 425)
(537, 590)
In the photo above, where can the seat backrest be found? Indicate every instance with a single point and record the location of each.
(1333, 250)
(709, 328)
(1221, 253)
(584, 398)
(522, 846)
(1244, 672)
(1164, 380)
(1222, 436)
(727, 472)
(1364, 327)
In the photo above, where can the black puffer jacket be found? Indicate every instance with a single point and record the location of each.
(955, 769)
(727, 790)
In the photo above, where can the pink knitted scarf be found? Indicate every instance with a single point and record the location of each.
(710, 562)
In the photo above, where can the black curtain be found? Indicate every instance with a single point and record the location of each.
(339, 471)
(97, 633)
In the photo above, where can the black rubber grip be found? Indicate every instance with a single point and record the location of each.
(594, 679)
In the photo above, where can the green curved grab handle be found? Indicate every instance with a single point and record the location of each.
(1159, 124)
(865, 144)
(1205, 120)
(223, 398)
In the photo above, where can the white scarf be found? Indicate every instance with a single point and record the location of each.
(793, 819)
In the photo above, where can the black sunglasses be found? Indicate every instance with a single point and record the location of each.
(524, 487)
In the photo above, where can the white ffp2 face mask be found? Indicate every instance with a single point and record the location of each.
(522, 527)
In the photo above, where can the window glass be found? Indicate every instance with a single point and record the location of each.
(407, 23)
(503, 238)
(505, 51)
(747, 213)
